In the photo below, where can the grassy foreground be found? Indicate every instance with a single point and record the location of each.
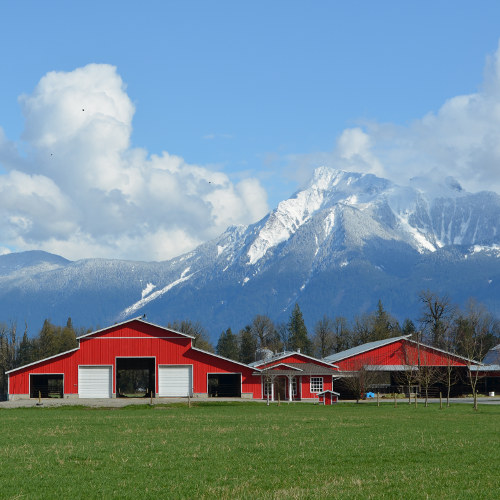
(249, 450)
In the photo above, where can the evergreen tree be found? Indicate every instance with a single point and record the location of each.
(227, 346)
(46, 341)
(384, 326)
(408, 328)
(248, 345)
(67, 338)
(27, 351)
(298, 332)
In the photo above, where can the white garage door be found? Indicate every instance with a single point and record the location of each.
(95, 382)
(174, 380)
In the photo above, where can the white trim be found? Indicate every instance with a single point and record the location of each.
(140, 318)
(284, 364)
(311, 384)
(328, 390)
(445, 352)
(368, 349)
(228, 373)
(37, 373)
(43, 360)
(146, 337)
(225, 359)
(403, 338)
(287, 354)
(96, 366)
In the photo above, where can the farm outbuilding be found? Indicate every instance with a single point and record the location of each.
(294, 376)
(134, 357)
(390, 363)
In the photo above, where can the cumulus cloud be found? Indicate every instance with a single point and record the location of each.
(80, 190)
(461, 139)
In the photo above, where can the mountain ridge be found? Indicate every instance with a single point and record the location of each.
(336, 246)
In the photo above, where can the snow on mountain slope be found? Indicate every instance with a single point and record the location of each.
(343, 241)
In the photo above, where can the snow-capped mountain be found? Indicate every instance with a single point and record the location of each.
(336, 247)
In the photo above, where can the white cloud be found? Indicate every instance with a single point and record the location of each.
(82, 191)
(461, 139)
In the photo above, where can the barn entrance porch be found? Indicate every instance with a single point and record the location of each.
(135, 377)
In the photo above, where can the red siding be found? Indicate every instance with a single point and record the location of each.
(142, 340)
(400, 353)
(306, 386)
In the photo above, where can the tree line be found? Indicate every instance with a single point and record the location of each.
(19, 351)
(470, 332)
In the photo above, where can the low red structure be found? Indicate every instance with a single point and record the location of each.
(101, 365)
(328, 397)
(393, 359)
(394, 354)
(294, 376)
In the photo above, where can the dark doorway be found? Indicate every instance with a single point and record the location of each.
(46, 386)
(280, 384)
(135, 377)
(224, 385)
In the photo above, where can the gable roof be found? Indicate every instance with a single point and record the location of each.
(369, 346)
(277, 365)
(296, 369)
(222, 357)
(286, 354)
(43, 360)
(354, 351)
(139, 318)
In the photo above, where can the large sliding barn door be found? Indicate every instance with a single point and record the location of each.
(174, 380)
(95, 381)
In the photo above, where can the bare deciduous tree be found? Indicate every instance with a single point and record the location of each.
(437, 317)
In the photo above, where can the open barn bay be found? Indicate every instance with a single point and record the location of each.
(249, 450)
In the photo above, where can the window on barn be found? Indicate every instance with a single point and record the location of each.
(294, 386)
(316, 384)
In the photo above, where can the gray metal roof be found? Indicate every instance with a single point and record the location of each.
(305, 369)
(492, 356)
(353, 351)
(284, 354)
(487, 368)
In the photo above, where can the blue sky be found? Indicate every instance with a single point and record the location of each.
(216, 111)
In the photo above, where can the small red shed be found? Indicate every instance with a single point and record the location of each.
(328, 397)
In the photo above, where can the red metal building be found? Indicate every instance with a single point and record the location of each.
(102, 364)
(294, 376)
(392, 358)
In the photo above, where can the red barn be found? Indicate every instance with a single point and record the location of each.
(105, 361)
(390, 358)
(294, 376)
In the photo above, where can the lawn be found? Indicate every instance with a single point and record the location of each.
(249, 450)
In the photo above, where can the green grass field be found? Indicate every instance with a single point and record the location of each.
(249, 450)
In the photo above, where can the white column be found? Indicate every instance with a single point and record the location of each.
(272, 388)
(290, 388)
